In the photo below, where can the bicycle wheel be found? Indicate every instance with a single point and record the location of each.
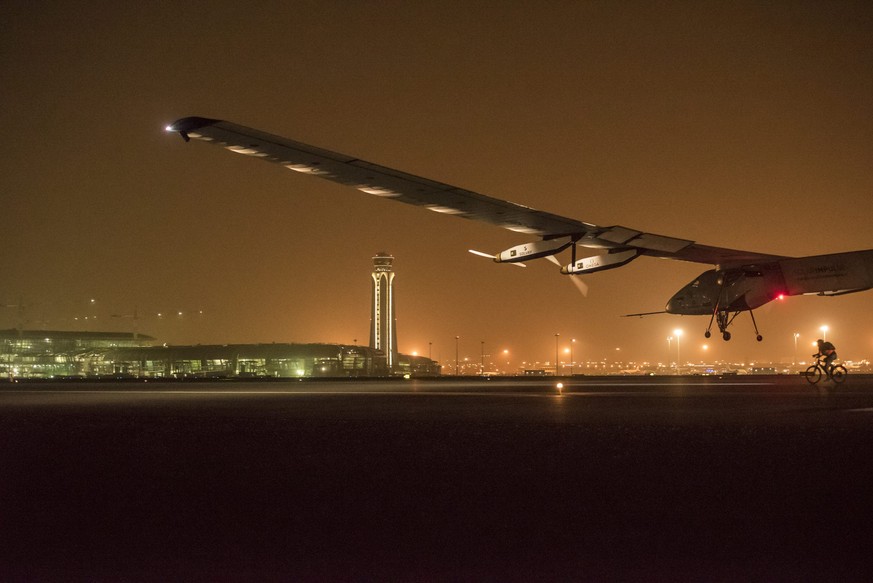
(813, 374)
(838, 374)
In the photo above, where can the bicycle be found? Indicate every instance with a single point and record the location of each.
(814, 373)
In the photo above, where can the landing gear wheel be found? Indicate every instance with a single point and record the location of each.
(760, 337)
(726, 336)
(707, 334)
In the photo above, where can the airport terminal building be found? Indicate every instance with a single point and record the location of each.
(49, 354)
(59, 354)
(276, 360)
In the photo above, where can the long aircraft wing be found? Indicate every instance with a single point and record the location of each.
(443, 198)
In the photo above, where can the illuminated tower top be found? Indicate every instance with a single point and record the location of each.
(382, 262)
(383, 323)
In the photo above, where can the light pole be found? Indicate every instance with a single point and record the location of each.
(556, 354)
(824, 331)
(669, 350)
(796, 336)
(572, 360)
(482, 359)
(678, 333)
(457, 370)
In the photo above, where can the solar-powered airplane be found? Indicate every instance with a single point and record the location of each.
(740, 280)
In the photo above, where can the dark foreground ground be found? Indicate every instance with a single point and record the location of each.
(616, 479)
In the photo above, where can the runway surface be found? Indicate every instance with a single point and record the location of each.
(621, 478)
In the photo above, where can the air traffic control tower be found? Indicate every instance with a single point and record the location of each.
(383, 323)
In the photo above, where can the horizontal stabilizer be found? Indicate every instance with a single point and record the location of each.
(842, 292)
(640, 315)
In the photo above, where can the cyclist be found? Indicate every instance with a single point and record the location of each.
(829, 353)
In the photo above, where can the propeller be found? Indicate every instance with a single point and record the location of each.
(489, 256)
(580, 285)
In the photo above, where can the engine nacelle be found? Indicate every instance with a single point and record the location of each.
(600, 262)
(533, 250)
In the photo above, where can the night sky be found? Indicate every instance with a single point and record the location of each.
(743, 125)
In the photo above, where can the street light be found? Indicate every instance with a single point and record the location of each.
(824, 331)
(796, 336)
(678, 333)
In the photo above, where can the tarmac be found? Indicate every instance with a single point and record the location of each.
(604, 479)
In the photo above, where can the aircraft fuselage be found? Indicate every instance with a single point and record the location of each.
(751, 286)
